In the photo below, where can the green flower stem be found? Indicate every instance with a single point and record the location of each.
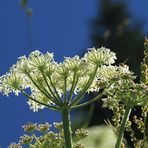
(88, 102)
(54, 88)
(48, 106)
(145, 130)
(36, 139)
(77, 98)
(67, 127)
(122, 127)
(89, 116)
(75, 80)
(42, 91)
(58, 100)
(65, 91)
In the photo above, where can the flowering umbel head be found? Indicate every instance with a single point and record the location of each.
(52, 84)
(100, 56)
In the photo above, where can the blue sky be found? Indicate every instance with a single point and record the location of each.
(57, 26)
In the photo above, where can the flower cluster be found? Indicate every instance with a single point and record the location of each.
(47, 138)
(30, 127)
(52, 83)
(80, 134)
(14, 145)
(125, 90)
(124, 94)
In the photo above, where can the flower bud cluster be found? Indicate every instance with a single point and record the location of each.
(80, 134)
(117, 109)
(118, 114)
(25, 139)
(30, 127)
(137, 143)
(46, 137)
(145, 110)
(127, 91)
(44, 127)
(14, 145)
(140, 124)
(128, 126)
(78, 145)
(58, 125)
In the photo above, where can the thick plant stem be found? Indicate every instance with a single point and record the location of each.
(67, 127)
(145, 131)
(122, 127)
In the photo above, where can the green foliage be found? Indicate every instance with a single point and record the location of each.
(127, 93)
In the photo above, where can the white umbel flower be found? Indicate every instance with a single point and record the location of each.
(107, 72)
(100, 56)
(54, 83)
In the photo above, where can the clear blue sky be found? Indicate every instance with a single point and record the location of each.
(58, 26)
